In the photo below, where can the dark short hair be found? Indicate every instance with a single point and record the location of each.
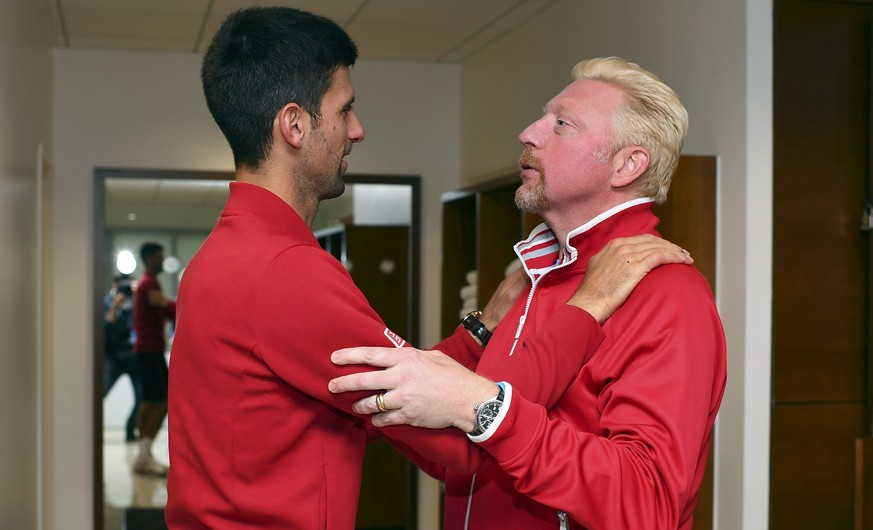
(261, 59)
(148, 250)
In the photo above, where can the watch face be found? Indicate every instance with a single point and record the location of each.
(487, 413)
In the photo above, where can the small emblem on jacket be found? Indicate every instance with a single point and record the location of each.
(394, 338)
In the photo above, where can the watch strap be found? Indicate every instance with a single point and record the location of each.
(475, 326)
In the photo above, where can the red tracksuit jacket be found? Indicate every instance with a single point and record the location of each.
(256, 440)
(625, 446)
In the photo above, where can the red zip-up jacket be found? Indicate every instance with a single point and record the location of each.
(625, 446)
(256, 439)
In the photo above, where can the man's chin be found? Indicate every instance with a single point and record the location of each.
(530, 200)
(336, 191)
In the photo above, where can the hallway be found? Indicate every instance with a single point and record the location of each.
(132, 502)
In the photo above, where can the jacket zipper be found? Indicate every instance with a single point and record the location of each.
(562, 516)
(533, 288)
(469, 504)
(523, 317)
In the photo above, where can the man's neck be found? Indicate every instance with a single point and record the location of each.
(282, 187)
(563, 226)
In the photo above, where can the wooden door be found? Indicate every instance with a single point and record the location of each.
(377, 257)
(688, 219)
(821, 261)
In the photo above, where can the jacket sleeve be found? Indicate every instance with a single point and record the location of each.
(296, 342)
(546, 364)
(658, 384)
(556, 354)
(461, 347)
(315, 310)
(542, 372)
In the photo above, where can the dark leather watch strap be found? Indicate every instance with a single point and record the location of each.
(475, 326)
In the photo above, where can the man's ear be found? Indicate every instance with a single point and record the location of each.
(293, 123)
(630, 163)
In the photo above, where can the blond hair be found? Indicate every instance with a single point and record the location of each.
(652, 116)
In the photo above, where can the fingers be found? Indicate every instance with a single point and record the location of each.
(358, 381)
(646, 249)
(383, 357)
(399, 365)
(380, 405)
(370, 380)
(390, 416)
(370, 404)
(657, 257)
(616, 270)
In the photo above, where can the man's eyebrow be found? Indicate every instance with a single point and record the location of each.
(556, 108)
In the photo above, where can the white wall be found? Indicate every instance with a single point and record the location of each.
(146, 110)
(25, 123)
(717, 56)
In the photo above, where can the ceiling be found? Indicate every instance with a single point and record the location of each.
(431, 31)
(179, 203)
(435, 31)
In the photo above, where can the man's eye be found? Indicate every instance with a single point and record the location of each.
(561, 122)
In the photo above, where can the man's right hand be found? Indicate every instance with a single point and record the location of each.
(613, 272)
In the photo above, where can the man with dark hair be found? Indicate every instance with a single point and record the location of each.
(256, 438)
(260, 60)
(151, 310)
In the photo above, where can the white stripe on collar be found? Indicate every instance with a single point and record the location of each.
(606, 215)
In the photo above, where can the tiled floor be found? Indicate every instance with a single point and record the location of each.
(132, 502)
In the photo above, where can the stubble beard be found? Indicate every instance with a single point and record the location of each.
(327, 183)
(324, 185)
(532, 197)
(334, 192)
(334, 185)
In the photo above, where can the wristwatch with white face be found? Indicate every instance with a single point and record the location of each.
(486, 412)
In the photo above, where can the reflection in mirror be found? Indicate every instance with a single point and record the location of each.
(176, 213)
(374, 230)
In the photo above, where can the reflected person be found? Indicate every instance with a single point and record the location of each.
(118, 357)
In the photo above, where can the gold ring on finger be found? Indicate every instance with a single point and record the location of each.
(380, 402)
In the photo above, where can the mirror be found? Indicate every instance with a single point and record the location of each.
(373, 229)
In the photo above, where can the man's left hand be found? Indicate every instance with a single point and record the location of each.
(419, 387)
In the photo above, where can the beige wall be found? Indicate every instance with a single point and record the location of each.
(716, 55)
(145, 110)
(25, 123)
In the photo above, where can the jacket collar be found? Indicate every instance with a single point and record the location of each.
(541, 252)
(261, 203)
